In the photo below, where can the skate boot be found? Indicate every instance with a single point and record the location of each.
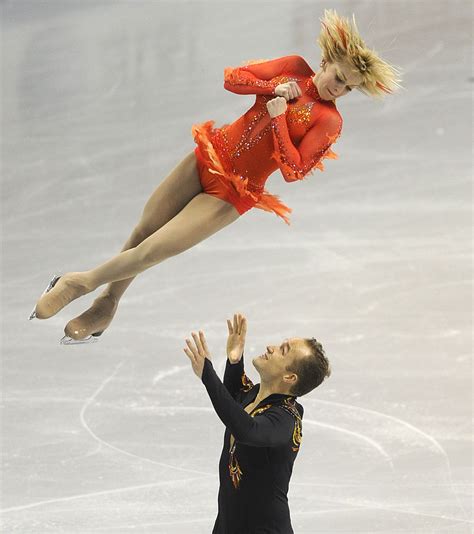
(60, 292)
(90, 325)
(50, 286)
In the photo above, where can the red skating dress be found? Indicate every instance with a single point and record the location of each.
(234, 161)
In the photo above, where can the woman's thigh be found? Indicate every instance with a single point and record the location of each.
(202, 217)
(180, 186)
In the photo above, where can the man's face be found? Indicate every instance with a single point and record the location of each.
(336, 80)
(273, 363)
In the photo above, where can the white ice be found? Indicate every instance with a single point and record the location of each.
(98, 99)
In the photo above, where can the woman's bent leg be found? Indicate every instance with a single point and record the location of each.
(168, 199)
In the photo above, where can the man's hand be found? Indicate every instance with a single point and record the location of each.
(276, 106)
(198, 352)
(236, 339)
(288, 90)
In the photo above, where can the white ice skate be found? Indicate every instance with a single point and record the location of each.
(50, 286)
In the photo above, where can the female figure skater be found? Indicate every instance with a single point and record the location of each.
(291, 126)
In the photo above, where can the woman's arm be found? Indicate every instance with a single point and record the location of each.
(258, 78)
(296, 162)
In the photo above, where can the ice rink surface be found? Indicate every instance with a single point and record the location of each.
(98, 99)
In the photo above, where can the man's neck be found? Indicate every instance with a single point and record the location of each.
(267, 389)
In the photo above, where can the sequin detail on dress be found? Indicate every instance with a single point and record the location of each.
(298, 172)
(242, 155)
(205, 136)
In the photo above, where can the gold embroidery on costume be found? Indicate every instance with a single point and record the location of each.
(247, 384)
(290, 407)
(234, 467)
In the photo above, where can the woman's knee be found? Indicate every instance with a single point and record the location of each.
(141, 231)
(151, 253)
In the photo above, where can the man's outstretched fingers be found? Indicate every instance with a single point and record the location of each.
(191, 348)
(244, 326)
(241, 323)
(197, 343)
(190, 355)
(203, 342)
(236, 324)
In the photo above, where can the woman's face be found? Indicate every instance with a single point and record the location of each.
(336, 79)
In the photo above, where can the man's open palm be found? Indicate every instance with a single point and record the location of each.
(236, 339)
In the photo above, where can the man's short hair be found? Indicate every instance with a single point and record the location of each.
(311, 369)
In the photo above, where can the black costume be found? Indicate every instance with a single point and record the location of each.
(255, 474)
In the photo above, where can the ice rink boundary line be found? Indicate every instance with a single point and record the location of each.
(96, 494)
(169, 372)
(437, 445)
(371, 442)
(363, 437)
(87, 403)
(175, 370)
(431, 439)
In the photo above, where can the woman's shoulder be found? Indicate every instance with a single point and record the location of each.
(299, 65)
(327, 116)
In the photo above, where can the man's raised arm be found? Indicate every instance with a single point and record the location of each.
(272, 428)
(234, 369)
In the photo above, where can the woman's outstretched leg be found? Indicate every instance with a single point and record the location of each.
(203, 216)
(170, 197)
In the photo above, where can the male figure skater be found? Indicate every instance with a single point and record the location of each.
(263, 426)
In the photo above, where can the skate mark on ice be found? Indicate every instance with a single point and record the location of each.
(353, 434)
(99, 493)
(434, 444)
(108, 445)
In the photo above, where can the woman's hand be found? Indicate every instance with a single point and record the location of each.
(276, 106)
(288, 90)
(198, 352)
(236, 339)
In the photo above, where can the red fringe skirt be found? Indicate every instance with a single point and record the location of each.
(226, 185)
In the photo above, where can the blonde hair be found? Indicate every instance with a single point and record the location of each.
(340, 41)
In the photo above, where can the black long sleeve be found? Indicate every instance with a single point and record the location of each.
(272, 428)
(233, 376)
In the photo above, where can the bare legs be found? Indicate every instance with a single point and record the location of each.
(168, 199)
(176, 217)
(200, 218)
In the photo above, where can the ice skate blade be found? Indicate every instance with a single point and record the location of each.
(93, 338)
(50, 286)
